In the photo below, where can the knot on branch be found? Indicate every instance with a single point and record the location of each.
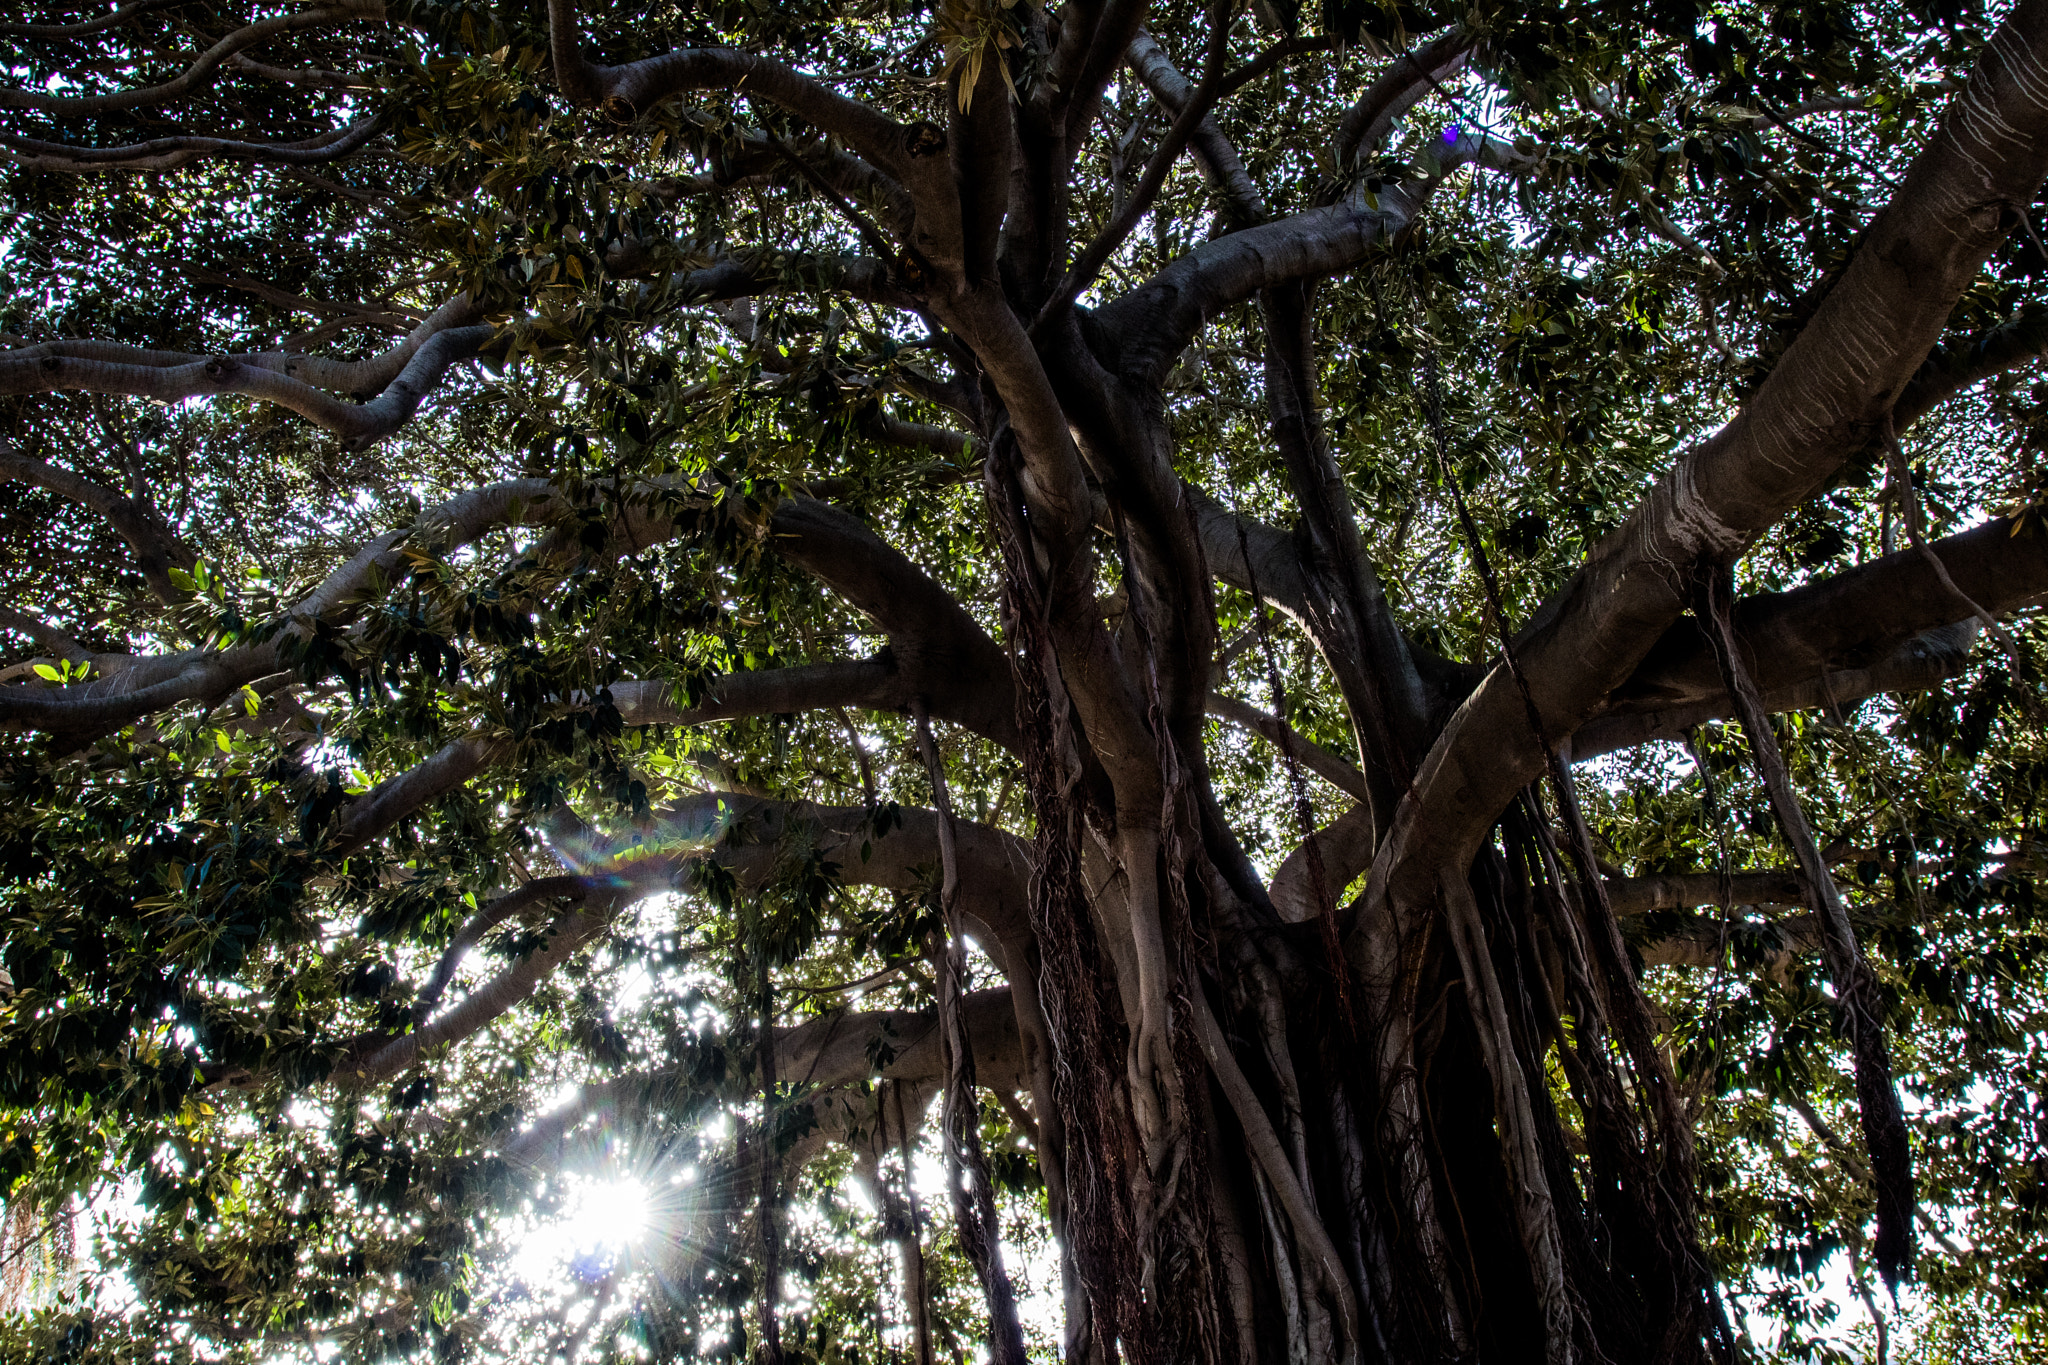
(924, 138)
(52, 363)
(219, 367)
(619, 109)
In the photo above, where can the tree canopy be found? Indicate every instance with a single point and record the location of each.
(1102, 679)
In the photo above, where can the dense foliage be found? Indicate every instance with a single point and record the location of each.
(576, 619)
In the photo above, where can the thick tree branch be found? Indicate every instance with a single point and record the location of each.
(1821, 404)
(1925, 661)
(1685, 891)
(1158, 319)
(1347, 611)
(933, 641)
(1769, 948)
(1093, 37)
(1230, 540)
(1881, 618)
(995, 866)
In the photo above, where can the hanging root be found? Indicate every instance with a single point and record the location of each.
(1856, 986)
(974, 1210)
(1535, 1212)
(1181, 1196)
(1304, 814)
(1675, 1283)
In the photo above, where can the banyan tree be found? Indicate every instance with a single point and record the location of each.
(1097, 680)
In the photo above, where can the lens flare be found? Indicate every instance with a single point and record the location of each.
(601, 1221)
(689, 827)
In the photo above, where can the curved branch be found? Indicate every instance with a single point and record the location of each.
(1185, 124)
(395, 798)
(43, 633)
(311, 78)
(157, 545)
(1959, 365)
(936, 648)
(831, 1057)
(873, 684)
(84, 27)
(414, 368)
(753, 835)
(1161, 316)
(1212, 150)
(494, 998)
(151, 684)
(1399, 88)
(1228, 539)
(514, 902)
(755, 159)
(625, 92)
(167, 153)
(195, 75)
(775, 692)
(1344, 776)
(771, 272)
(962, 672)
(1344, 847)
